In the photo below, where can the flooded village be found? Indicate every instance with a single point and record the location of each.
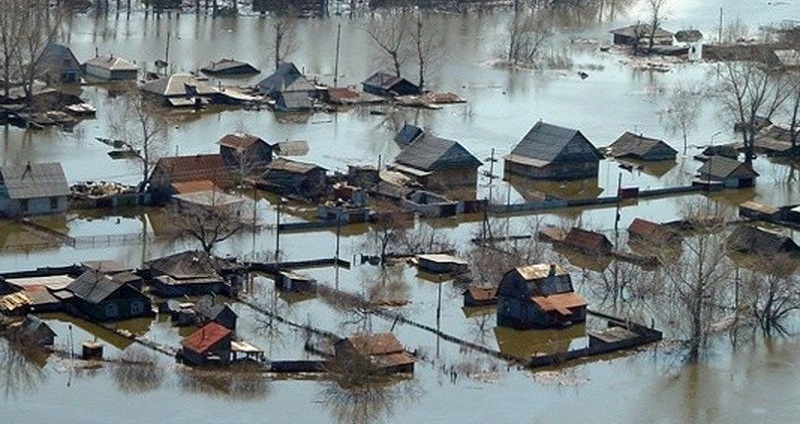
(397, 211)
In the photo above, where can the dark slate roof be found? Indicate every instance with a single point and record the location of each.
(408, 134)
(189, 264)
(230, 65)
(548, 143)
(382, 79)
(746, 238)
(286, 78)
(630, 144)
(57, 56)
(208, 308)
(688, 36)
(34, 180)
(722, 167)
(94, 287)
(430, 153)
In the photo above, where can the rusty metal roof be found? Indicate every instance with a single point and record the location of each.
(561, 303)
(205, 338)
(376, 344)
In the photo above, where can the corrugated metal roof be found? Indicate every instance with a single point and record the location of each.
(561, 303)
(430, 153)
(550, 143)
(205, 338)
(34, 180)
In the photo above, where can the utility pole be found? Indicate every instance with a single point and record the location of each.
(336, 62)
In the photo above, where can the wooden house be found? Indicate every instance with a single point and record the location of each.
(289, 281)
(102, 297)
(551, 152)
(639, 147)
(58, 65)
(210, 345)
(286, 79)
(760, 241)
(182, 169)
(285, 176)
(292, 101)
(226, 67)
(587, 242)
(729, 172)
(442, 263)
(193, 273)
(33, 189)
(245, 154)
(33, 331)
(480, 296)
(408, 134)
(382, 350)
(111, 68)
(644, 231)
(383, 84)
(538, 296)
(209, 309)
(439, 164)
(639, 35)
(182, 90)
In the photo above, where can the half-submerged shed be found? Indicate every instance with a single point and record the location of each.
(639, 147)
(382, 350)
(639, 35)
(760, 241)
(442, 263)
(229, 67)
(588, 242)
(654, 234)
(286, 79)
(383, 84)
(551, 152)
(247, 154)
(729, 172)
(538, 295)
(285, 176)
(111, 68)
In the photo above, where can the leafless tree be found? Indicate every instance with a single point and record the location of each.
(682, 112)
(210, 223)
(284, 42)
(389, 32)
(656, 19)
(10, 32)
(772, 292)
(21, 365)
(38, 26)
(137, 371)
(748, 93)
(141, 127)
(388, 231)
(528, 31)
(427, 45)
(793, 106)
(242, 381)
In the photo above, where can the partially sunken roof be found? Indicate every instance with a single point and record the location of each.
(636, 146)
(376, 344)
(112, 63)
(286, 78)
(760, 241)
(189, 264)
(34, 180)
(408, 134)
(94, 287)
(286, 165)
(205, 338)
(230, 66)
(641, 30)
(239, 141)
(548, 143)
(383, 80)
(561, 302)
(209, 167)
(430, 153)
(722, 168)
(179, 85)
(688, 36)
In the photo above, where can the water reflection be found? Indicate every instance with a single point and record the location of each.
(524, 344)
(373, 402)
(241, 382)
(21, 367)
(137, 372)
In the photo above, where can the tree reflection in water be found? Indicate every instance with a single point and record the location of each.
(370, 402)
(138, 371)
(21, 366)
(242, 381)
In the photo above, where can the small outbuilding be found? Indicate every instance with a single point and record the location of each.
(654, 234)
(550, 152)
(480, 296)
(58, 65)
(761, 241)
(382, 350)
(247, 154)
(289, 281)
(729, 172)
(226, 67)
(408, 134)
(383, 84)
(33, 189)
(286, 79)
(111, 68)
(754, 210)
(34, 331)
(639, 35)
(538, 296)
(182, 90)
(210, 345)
(193, 273)
(285, 176)
(292, 101)
(209, 309)
(442, 263)
(639, 147)
(587, 242)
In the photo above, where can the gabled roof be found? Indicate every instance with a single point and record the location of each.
(408, 134)
(34, 180)
(188, 264)
(230, 66)
(648, 230)
(57, 55)
(177, 85)
(112, 63)
(637, 146)
(205, 338)
(287, 165)
(376, 344)
(208, 308)
(94, 287)
(430, 153)
(286, 78)
(33, 325)
(239, 141)
(585, 239)
(383, 80)
(760, 241)
(539, 271)
(210, 167)
(295, 100)
(546, 143)
(722, 168)
(643, 30)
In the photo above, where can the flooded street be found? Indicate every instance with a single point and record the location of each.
(754, 382)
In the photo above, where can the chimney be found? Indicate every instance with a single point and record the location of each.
(552, 272)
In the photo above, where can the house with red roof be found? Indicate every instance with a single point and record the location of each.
(209, 345)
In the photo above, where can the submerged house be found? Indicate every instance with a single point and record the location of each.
(760, 241)
(285, 176)
(173, 170)
(111, 68)
(210, 345)
(290, 281)
(729, 172)
(639, 147)
(383, 84)
(639, 35)
(550, 152)
(286, 79)
(439, 164)
(182, 90)
(229, 67)
(103, 297)
(209, 309)
(292, 101)
(651, 233)
(382, 350)
(32, 189)
(408, 134)
(587, 242)
(537, 296)
(33, 331)
(58, 65)
(246, 153)
(193, 273)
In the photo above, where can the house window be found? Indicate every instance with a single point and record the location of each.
(53, 203)
(112, 310)
(137, 308)
(23, 205)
